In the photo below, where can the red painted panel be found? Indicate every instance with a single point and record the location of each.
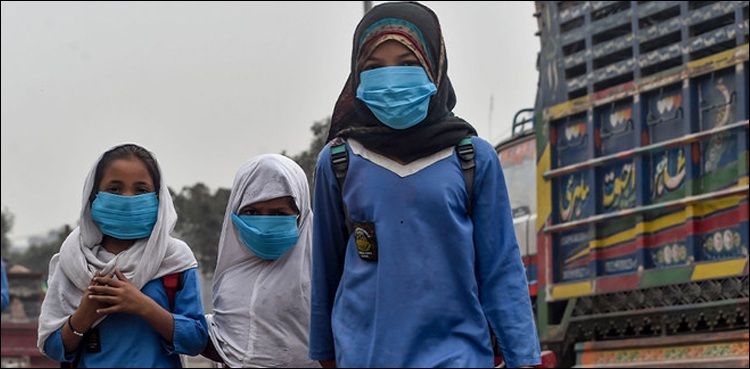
(617, 283)
(619, 250)
(664, 237)
(719, 220)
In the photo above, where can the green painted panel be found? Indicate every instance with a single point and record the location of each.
(721, 178)
(661, 277)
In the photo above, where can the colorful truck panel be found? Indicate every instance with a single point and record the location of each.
(641, 131)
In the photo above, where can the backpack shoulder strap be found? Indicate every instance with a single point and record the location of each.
(172, 283)
(339, 161)
(340, 164)
(465, 151)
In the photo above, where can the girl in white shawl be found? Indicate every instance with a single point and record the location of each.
(261, 291)
(106, 305)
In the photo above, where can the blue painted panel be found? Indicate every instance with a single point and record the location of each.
(572, 140)
(573, 257)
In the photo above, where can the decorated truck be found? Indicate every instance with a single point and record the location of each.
(636, 244)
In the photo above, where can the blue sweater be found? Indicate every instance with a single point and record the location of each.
(129, 341)
(440, 274)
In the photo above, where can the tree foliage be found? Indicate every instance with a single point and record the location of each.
(37, 257)
(200, 217)
(308, 158)
(7, 224)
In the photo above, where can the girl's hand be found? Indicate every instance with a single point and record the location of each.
(119, 295)
(89, 307)
(87, 312)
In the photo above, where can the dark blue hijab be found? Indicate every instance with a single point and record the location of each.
(416, 27)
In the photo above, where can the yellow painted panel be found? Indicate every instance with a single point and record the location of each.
(664, 222)
(718, 269)
(713, 206)
(626, 235)
(571, 290)
(543, 189)
(722, 59)
(692, 211)
(567, 108)
(579, 254)
(640, 228)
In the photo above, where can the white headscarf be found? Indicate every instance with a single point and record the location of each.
(81, 255)
(261, 314)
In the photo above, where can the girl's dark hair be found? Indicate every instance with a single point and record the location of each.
(126, 151)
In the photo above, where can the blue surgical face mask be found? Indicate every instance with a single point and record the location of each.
(125, 217)
(398, 96)
(268, 236)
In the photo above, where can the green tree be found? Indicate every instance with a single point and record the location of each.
(37, 257)
(200, 217)
(7, 224)
(308, 158)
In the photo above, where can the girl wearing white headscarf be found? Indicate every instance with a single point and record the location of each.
(105, 305)
(261, 290)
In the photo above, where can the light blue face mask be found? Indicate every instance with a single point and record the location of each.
(125, 217)
(398, 96)
(267, 236)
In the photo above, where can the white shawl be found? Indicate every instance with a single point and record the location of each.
(81, 255)
(261, 314)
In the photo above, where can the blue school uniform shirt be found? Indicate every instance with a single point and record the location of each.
(129, 341)
(440, 274)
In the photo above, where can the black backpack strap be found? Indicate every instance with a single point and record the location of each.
(340, 163)
(465, 150)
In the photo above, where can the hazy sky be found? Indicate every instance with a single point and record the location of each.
(207, 85)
